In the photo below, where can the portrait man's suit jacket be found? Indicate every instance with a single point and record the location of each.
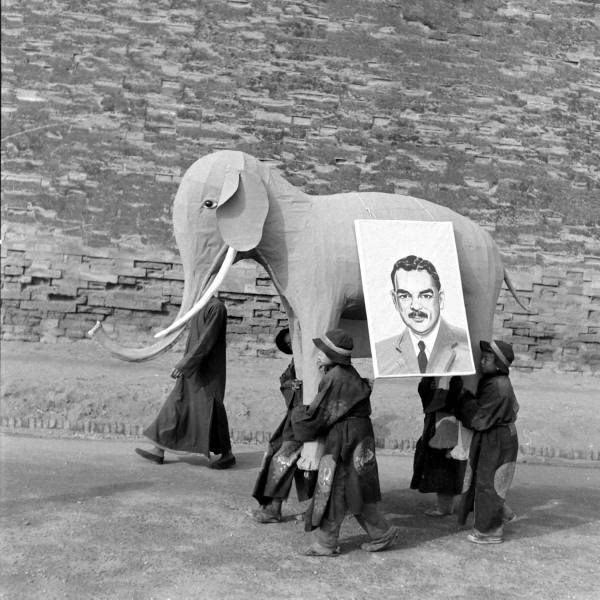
(450, 354)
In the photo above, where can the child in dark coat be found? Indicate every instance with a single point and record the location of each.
(493, 453)
(348, 479)
(434, 469)
(279, 465)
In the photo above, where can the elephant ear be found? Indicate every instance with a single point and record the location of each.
(242, 209)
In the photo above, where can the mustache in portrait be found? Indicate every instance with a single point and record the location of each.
(417, 313)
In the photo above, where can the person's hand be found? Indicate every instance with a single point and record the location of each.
(175, 373)
(443, 383)
(310, 456)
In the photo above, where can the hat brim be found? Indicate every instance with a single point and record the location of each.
(332, 354)
(281, 343)
(486, 347)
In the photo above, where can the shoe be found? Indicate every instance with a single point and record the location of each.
(436, 512)
(159, 460)
(387, 540)
(318, 550)
(478, 538)
(508, 516)
(225, 462)
(262, 515)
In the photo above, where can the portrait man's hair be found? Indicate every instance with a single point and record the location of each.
(415, 263)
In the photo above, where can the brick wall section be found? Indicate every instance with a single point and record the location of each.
(51, 291)
(490, 108)
(564, 334)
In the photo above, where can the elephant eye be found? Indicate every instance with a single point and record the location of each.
(210, 204)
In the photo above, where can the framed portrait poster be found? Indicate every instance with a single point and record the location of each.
(413, 298)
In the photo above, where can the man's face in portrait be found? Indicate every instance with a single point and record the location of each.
(418, 300)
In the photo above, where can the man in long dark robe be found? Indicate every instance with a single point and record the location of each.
(491, 413)
(279, 465)
(434, 470)
(348, 479)
(193, 417)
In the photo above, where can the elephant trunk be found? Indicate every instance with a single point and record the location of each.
(131, 354)
(191, 291)
(206, 295)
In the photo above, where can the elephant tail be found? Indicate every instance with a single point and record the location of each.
(512, 290)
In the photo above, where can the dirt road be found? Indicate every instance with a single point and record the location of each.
(89, 519)
(80, 382)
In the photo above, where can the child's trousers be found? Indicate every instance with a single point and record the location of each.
(370, 519)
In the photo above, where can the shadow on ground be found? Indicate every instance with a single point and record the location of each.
(541, 510)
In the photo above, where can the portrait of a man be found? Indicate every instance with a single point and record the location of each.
(428, 344)
(413, 298)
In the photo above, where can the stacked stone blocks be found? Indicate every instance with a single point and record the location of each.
(563, 331)
(49, 294)
(64, 427)
(486, 108)
(52, 293)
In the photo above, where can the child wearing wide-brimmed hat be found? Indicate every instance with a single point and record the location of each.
(491, 413)
(348, 479)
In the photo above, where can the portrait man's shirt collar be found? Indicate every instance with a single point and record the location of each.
(428, 339)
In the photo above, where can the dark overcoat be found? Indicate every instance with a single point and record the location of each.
(433, 469)
(340, 413)
(184, 421)
(279, 465)
(493, 453)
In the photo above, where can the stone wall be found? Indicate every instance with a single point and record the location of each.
(51, 291)
(490, 108)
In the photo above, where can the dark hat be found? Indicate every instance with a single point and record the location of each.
(337, 345)
(281, 343)
(501, 350)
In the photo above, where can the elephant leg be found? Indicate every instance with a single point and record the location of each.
(295, 335)
(314, 325)
(296, 341)
(480, 307)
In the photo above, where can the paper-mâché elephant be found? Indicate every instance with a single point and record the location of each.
(230, 206)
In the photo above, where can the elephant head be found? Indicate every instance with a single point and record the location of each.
(218, 217)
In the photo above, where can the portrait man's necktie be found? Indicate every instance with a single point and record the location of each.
(422, 357)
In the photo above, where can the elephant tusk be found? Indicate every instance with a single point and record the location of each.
(98, 334)
(133, 354)
(95, 328)
(212, 288)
